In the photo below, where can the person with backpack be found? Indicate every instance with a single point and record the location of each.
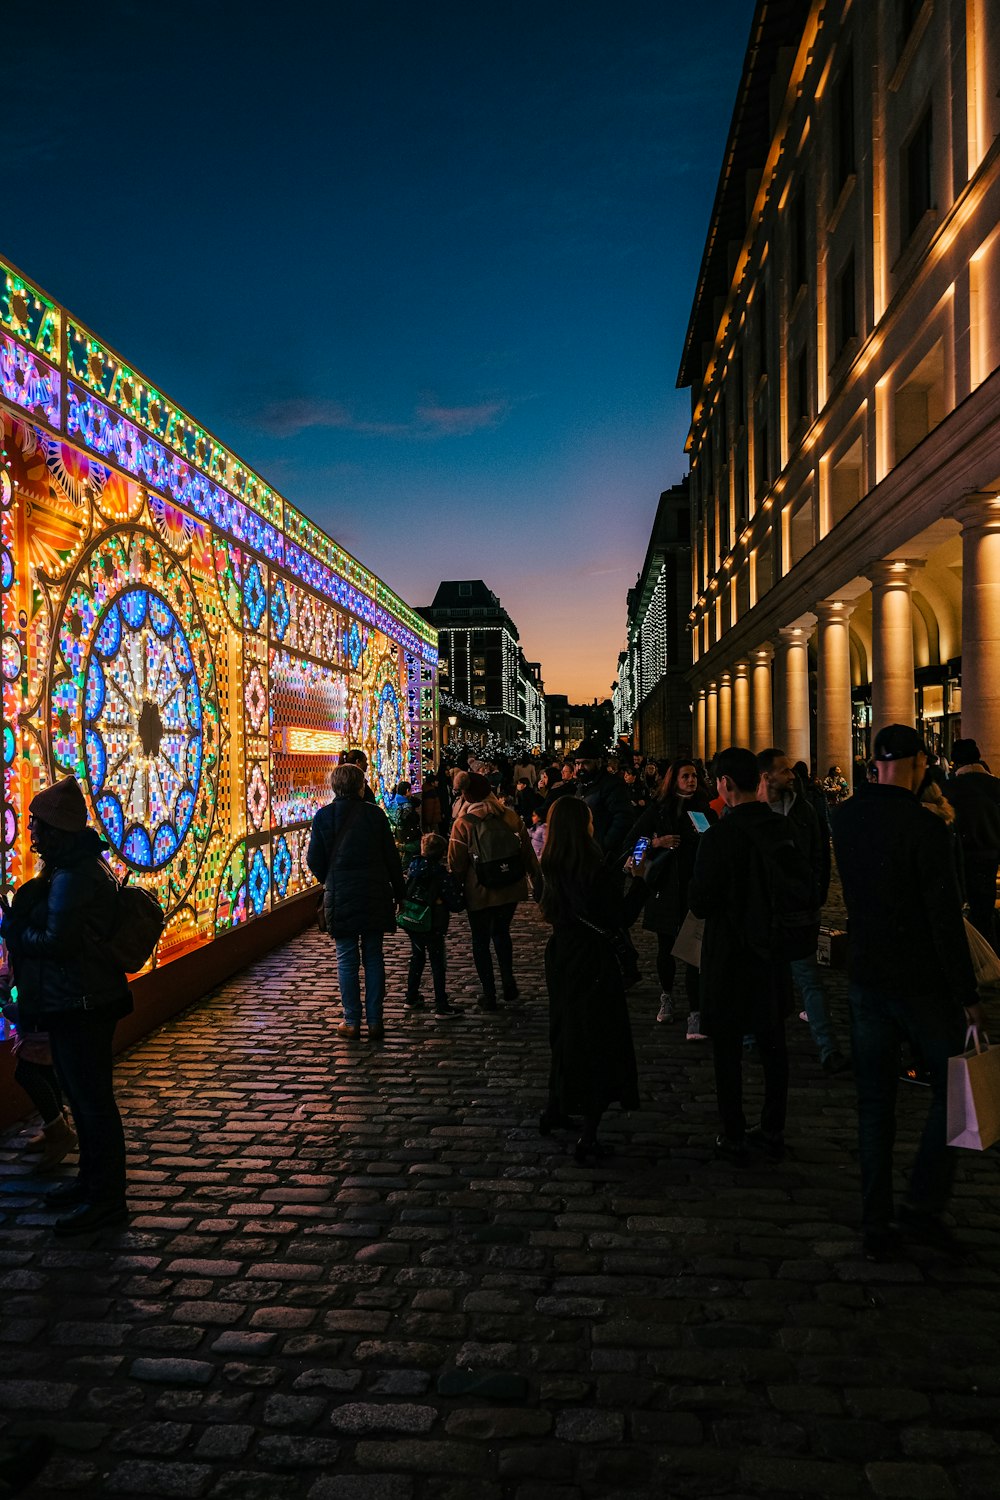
(432, 894)
(490, 854)
(755, 891)
(71, 985)
(403, 813)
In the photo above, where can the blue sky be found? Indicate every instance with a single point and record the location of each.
(426, 266)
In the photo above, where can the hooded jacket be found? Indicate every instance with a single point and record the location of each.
(56, 933)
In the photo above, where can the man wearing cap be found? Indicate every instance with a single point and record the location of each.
(607, 796)
(911, 979)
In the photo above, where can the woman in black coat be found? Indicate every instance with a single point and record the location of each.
(668, 866)
(593, 1060)
(69, 985)
(352, 852)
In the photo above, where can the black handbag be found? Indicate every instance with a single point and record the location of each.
(621, 944)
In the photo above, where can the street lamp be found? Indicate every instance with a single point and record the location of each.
(452, 726)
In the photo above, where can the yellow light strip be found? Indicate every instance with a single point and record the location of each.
(310, 741)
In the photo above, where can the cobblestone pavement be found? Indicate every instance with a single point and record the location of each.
(359, 1273)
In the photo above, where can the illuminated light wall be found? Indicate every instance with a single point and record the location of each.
(180, 638)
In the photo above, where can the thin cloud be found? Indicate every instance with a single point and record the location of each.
(295, 414)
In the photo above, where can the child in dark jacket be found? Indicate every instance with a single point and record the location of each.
(428, 881)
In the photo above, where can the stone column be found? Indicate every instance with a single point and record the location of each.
(741, 704)
(725, 710)
(761, 719)
(792, 692)
(700, 724)
(980, 518)
(892, 642)
(711, 720)
(834, 741)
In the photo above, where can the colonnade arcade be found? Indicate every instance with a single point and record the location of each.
(913, 639)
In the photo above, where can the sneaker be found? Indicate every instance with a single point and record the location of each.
(417, 1003)
(766, 1141)
(666, 1010)
(446, 1012)
(929, 1229)
(348, 1032)
(735, 1152)
(836, 1062)
(694, 1031)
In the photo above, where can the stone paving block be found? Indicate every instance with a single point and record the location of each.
(912, 1481)
(373, 1255)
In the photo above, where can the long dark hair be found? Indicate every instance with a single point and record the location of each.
(668, 786)
(570, 859)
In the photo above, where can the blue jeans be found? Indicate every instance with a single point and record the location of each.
(808, 975)
(935, 1028)
(363, 948)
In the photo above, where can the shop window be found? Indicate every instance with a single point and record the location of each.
(846, 483)
(917, 175)
(919, 405)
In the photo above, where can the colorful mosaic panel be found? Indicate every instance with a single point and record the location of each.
(198, 686)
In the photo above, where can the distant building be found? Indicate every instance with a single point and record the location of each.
(571, 723)
(652, 698)
(484, 666)
(843, 355)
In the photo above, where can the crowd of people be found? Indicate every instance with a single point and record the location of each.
(728, 865)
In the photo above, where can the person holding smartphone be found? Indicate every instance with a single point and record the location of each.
(672, 823)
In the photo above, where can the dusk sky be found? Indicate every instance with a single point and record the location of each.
(426, 266)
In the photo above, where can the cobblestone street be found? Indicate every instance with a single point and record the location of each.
(359, 1273)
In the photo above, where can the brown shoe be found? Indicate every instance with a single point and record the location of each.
(348, 1032)
(60, 1140)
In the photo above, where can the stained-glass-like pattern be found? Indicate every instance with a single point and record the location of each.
(179, 637)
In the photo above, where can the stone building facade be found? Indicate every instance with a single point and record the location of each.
(843, 356)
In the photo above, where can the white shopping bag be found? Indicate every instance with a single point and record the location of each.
(974, 1094)
(687, 944)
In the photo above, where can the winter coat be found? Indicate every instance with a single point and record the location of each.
(905, 933)
(668, 871)
(460, 861)
(430, 880)
(56, 933)
(741, 989)
(352, 853)
(537, 834)
(812, 838)
(975, 796)
(593, 1059)
(610, 802)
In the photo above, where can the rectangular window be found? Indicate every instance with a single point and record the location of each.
(846, 305)
(844, 150)
(799, 242)
(918, 184)
(802, 386)
(465, 590)
(762, 332)
(762, 462)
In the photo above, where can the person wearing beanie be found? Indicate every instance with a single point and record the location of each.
(490, 854)
(975, 796)
(70, 986)
(607, 796)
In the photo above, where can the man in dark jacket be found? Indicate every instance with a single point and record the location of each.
(607, 797)
(911, 979)
(351, 850)
(746, 984)
(975, 796)
(781, 790)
